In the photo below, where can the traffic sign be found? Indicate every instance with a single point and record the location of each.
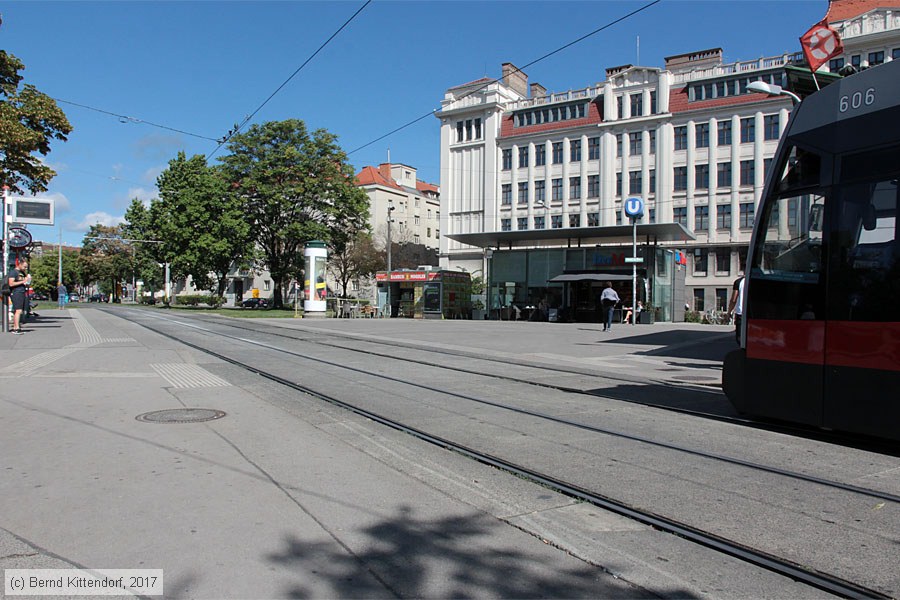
(19, 237)
(633, 259)
(634, 207)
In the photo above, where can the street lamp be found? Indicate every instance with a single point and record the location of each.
(761, 87)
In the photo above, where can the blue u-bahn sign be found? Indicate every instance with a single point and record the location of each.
(634, 207)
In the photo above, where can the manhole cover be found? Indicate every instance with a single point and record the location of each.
(181, 415)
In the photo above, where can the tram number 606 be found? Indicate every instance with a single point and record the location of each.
(857, 100)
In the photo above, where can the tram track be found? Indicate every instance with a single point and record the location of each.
(812, 577)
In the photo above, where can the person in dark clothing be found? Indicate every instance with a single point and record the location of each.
(608, 300)
(18, 280)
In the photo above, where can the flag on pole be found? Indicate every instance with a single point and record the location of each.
(820, 44)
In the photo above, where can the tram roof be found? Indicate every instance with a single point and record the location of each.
(581, 236)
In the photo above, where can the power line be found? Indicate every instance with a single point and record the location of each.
(126, 118)
(516, 70)
(238, 127)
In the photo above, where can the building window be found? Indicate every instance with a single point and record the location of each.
(523, 192)
(748, 172)
(652, 181)
(895, 53)
(507, 160)
(522, 223)
(653, 102)
(556, 221)
(701, 177)
(635, 143)
(770, 127)
(557, 153)
(635, 180)
(701, 257)
(652, 213)
(701, 218)
(722, 297)
(593, 219)
(523, 157)
(540, 155)
(557, 189)
(618, 145)
(748, 130)
(477, 129)
(505, 224)
(417, 239)
(594, 148)
(267, 285)
(416, 218)
(681, 138)
(701, 133)
(539, 222)
(575, 150)
(680, 179)
(618, 217)
(724, 128)
(593, 186)
(620, 107)
(506, 193)
(876, 58)
(723, 261)
(836, 64)
(575, 220)
(679, 215)
(428, 232)
(618, 184)
(856, 61)
(539, 193)
(699, 294)
(746, 221)
(574, 188)
(652, 141)
(723, 174)
(723, 216)
(637, 104)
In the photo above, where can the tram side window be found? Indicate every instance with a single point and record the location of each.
(865, 278)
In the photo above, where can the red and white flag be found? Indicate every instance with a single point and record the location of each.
(820, 44)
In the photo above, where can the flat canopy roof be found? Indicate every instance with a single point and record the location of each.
(591, 277)
(579, 236)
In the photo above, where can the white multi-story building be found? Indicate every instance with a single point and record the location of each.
(689, 139)
(417, 206)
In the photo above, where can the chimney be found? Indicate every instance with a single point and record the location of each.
(515, 79)
(385, 170)
(537, 90)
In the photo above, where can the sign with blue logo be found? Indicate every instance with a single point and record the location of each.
(634, 207)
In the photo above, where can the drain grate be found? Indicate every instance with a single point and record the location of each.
(181, 415)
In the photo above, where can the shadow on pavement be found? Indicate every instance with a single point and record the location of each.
(712, 402)
(402, 557)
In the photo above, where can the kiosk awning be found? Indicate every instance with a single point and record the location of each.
(589, 277)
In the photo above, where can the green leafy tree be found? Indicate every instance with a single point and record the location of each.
(294, 187)
(45, 271)
(105, 258)
(203, 227)
(29, 121)
(146, 251)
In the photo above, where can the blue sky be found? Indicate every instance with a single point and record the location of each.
(200, 67)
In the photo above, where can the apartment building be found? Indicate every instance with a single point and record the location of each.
(417, 206)
(689, 138)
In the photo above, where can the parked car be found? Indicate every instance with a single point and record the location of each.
(74, 298)
(99, 298)
(255, 303)
(40, 296)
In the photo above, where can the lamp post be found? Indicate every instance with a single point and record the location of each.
(390, 219)
(761, 87)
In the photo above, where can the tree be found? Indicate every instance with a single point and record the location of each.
(354, 259)
(45, 271)
(105, 258)
(294, 187)
(203, 228)
(29, 120)
(146, 252)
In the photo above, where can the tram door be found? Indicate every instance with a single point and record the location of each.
(863, 330)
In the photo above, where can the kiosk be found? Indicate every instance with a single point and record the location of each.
(425, 293)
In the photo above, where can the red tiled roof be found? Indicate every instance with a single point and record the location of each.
(841, 10)
(508, 129)
(679, 103)
(426, 187)
(372, 176)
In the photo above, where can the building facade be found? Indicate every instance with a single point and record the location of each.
(690, 139)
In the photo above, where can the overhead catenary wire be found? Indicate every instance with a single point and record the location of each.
(135, 119)
(516, 70)
(238, 127)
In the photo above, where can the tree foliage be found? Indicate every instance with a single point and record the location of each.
(105, 258)
(45, 271)
(29, 121)
(146, 252)
(294, 187)
(203, 228)
(356, 259)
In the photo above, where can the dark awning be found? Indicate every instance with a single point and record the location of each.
(575, 236)
(590, 277)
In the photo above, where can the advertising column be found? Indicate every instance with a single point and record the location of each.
(316, 291)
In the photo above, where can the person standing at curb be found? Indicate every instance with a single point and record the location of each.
(608, 299)
(18, 281)
(63, 295)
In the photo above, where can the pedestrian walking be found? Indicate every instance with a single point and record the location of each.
(608, 300)
(736, 306)
(18, 280)
(63, 295)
